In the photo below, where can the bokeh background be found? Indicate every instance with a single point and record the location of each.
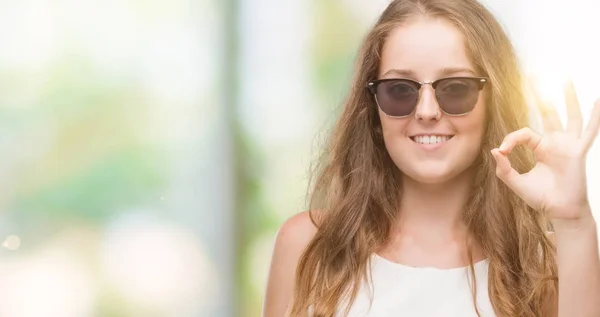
(151, 149)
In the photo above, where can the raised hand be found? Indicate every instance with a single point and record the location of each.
(557, 183)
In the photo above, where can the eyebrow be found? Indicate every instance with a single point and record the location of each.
(455, 70)
(401, 72)
(444, 72)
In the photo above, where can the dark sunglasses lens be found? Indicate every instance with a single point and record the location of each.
(457, 95)
(397, 98)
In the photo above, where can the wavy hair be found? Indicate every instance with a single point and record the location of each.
(356, 186)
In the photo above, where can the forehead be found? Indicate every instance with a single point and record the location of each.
(425, 47)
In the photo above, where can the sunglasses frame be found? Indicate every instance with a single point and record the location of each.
(372, 87)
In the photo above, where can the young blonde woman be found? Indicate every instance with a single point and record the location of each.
(434, 198)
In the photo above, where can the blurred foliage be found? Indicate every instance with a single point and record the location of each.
(122, 178)
(332, 56)
(334, 50)
(85, 152)
(95, 163)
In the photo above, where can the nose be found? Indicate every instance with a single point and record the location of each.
(427, 108)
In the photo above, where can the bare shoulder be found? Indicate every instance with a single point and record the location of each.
(290, 242)
(297, 231)
(292, 238)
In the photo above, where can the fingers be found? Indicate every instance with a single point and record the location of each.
(504, 170)
(525, 136)
(506, 173)
(591, 131)
(575, 119)
(550, 119)
(503, 167)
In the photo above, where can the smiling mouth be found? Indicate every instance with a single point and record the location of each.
(431, 139)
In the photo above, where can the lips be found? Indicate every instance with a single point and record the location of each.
(431, 139)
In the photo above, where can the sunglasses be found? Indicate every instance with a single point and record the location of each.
(398, 97)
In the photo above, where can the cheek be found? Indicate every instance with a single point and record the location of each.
(392, 127)
(474, 124)
(471, 129)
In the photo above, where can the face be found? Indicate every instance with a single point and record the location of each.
(427, 50)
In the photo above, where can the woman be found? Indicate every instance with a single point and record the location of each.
(417, 209)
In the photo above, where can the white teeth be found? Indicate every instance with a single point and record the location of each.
(431, 139)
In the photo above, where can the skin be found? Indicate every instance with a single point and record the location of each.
(436, 182)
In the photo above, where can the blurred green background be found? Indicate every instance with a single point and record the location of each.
(151, 149)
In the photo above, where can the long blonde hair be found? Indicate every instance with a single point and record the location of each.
(357, 186)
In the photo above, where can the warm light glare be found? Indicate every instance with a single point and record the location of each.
(554, 52)
(12, 243)
(52, 282)
(157, 266)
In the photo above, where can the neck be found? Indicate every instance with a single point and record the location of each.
(427, 208)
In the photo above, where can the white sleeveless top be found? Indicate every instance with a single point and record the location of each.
(400, 290)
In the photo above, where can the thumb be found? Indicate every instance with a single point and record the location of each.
(504, 170)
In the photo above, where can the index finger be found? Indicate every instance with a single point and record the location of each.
(524, 136)
(550, 119)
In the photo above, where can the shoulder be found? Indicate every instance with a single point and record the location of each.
(291, 240)
(296, 232)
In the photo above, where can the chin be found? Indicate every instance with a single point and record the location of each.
(428, 175)
(430, 179)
